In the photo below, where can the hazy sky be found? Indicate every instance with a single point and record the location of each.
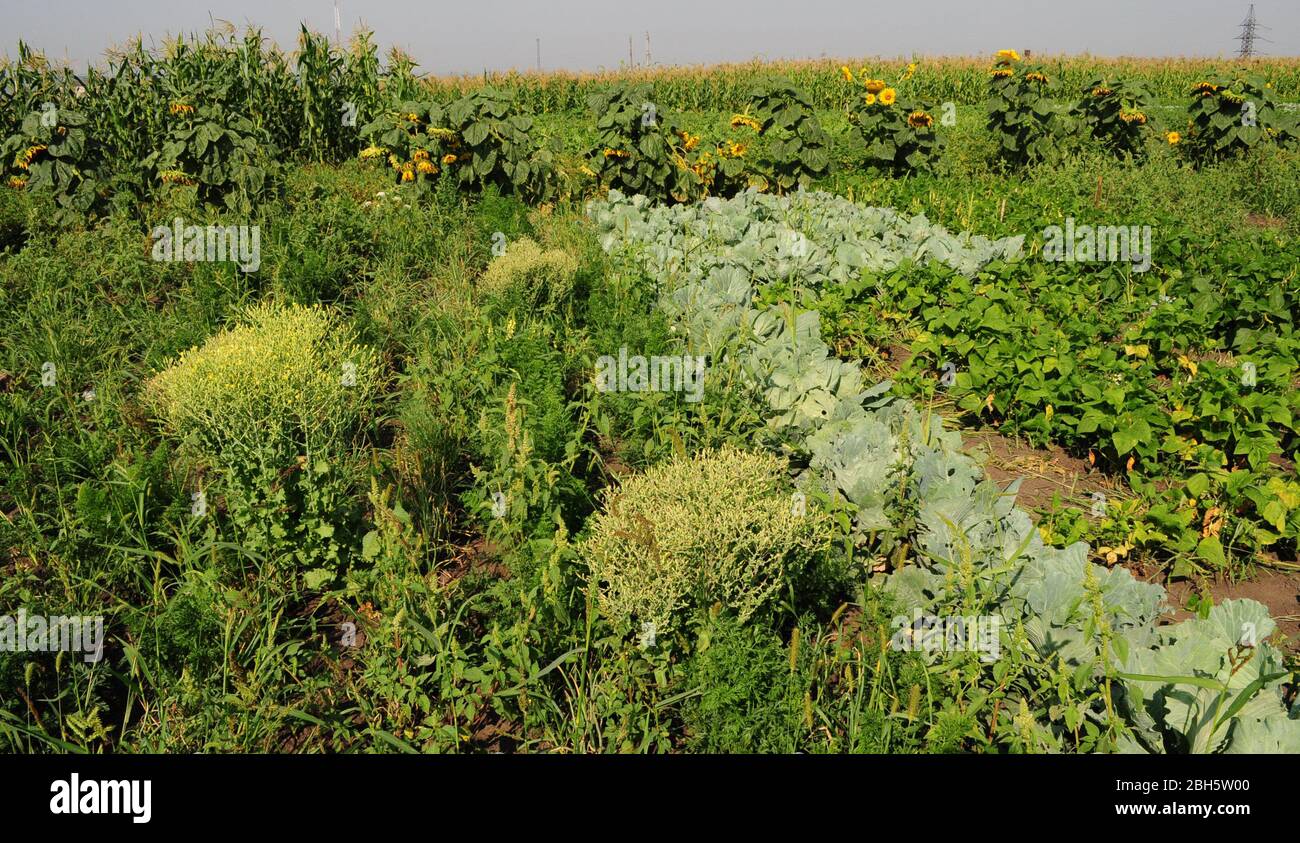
(471, 35)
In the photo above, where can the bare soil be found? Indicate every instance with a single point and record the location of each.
(1045, 473)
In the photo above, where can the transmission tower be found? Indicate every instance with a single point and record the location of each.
(1249, 35)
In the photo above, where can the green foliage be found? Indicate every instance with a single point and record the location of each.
(219, 152)
(272, 403)
(284, 382)
(640, 149)
(1116, 113)
(898, 134)
(1231, 115)
(750, 700)
(1023, 115)
(1066, 628)
(527, 279)
(1211, 684)
(480, 140)
(340, 92)
(499, 148)
(299, 614)
(487, 419)
(793, 147)
(413, 141)
(53, 154)
(1143, 384)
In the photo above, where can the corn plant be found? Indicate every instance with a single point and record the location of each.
(325, 112)
(29, 82)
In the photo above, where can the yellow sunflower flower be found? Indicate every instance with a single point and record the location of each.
(848, 74)
(689, 142)
(875, 86)
(888, 96)
(1173, 138)
(176, 177)
(870, 98)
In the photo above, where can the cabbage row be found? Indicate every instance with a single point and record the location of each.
(956, 542)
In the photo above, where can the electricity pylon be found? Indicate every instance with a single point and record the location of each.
(1249, 35)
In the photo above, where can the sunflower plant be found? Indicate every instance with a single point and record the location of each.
(791, 146)
(1229, 116)
(1022, 114)
(641, 150)
(52, 153)
(493, 144)
(218, 151)
(413, 142)
(723, 169)
(478, 140)
(898, 133)
(1117, 114)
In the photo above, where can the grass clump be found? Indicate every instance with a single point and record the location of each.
(720, 528)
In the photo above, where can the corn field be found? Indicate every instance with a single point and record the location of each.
(726, 87)
(303, 101)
